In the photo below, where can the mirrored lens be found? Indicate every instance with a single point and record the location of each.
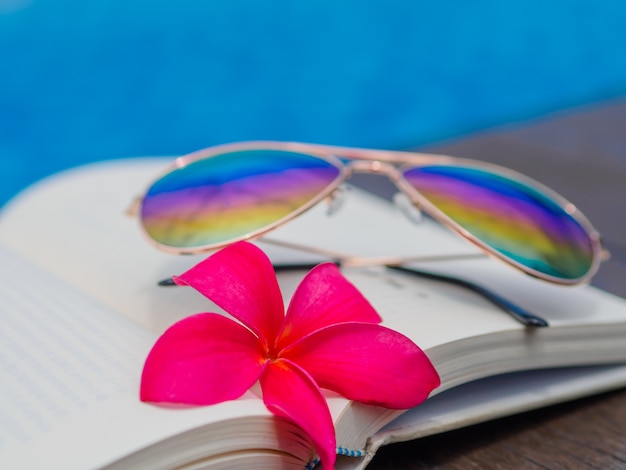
(228, 196)
(511, 217)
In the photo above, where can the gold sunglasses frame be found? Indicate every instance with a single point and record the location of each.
(389, 163)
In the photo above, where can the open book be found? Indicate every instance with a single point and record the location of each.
(81, 309)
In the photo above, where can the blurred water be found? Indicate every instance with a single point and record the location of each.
(84, 80)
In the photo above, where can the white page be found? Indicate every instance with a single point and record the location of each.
(60, 352)
(70, 370)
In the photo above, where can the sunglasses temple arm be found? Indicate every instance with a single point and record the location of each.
(517, 312)
(521, 315)
(168, 281)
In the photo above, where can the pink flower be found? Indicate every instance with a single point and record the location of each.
(329, 338)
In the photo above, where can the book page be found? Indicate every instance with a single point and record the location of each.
(60, 353)
(70, 370)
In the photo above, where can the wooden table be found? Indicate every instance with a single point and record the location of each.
(582, 155)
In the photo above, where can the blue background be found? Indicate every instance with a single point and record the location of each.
(88, 80)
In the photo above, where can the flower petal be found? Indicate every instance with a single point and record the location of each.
(324, 297)
(288, 391)
(203, 359)
(241, 280)
(367, 363)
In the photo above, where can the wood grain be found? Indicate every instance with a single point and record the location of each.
(588, 433)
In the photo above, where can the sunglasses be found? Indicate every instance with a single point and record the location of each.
(217, 196)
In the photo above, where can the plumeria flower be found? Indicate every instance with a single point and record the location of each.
(330, 338)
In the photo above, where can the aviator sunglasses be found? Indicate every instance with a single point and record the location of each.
(217, 196)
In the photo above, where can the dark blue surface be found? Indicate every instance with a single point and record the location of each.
(88, 80)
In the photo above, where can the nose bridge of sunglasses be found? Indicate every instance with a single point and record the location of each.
(391, 172)
(371, 166)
